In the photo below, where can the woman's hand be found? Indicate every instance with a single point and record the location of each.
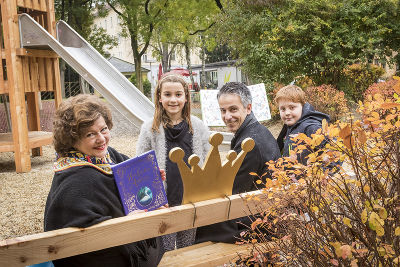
(163, 175)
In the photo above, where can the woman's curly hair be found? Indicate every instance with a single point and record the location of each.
(73, 117)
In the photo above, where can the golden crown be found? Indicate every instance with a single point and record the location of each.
(214, 179)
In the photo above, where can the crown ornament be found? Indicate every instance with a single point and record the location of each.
(214, 179)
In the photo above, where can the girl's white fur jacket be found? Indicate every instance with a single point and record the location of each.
(149, 140)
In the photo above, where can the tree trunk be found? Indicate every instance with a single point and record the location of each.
(189, 63)
(138, 72)
(164, 57)
(203, 64)
(138, 61)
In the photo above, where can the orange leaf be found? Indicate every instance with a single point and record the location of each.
(362, 137)
(253, 173)
(334, 262)
(345, 132)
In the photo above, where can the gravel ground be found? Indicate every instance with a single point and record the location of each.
(23, 195)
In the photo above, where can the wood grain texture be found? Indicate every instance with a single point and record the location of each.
(67, 242)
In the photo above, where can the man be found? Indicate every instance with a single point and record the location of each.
(234, 100)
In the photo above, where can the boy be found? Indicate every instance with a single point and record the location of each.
(298, 116)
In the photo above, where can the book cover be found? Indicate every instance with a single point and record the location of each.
(139, 183)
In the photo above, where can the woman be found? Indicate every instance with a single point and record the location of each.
(83, 192)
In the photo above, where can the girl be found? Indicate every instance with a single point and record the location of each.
(173, 126)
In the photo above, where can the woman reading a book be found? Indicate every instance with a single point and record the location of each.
(83, 191)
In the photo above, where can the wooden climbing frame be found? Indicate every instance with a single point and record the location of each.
(24, 74)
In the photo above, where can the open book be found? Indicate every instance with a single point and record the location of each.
(139, 183)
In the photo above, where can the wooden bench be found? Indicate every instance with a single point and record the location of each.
(62, 243)
(204, 254)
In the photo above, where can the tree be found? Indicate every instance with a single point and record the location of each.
(79, 15)
(139, 19)
(184, 21)
(221, 52)
(280, 40)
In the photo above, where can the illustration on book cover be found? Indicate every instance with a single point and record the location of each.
(139, 183)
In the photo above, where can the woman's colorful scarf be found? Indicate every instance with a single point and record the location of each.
(76, 158)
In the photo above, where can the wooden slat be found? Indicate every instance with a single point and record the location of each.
(204, 254)
(49, 74)
(26, 77)
(35, 4)
(26, 250)
(43, 6)
(42, 74)
(27, 4)
(36, 53)
(5, 89)
(50, 18)
(34, 72)
(57, 82)
(36, 139)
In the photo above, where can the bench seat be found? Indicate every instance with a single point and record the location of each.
(204, 254)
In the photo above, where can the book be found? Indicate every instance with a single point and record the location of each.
(139, 183)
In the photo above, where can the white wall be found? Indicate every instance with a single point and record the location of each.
(228, 74)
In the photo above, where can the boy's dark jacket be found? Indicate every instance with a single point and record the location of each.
(83, 196)
(265, 149)
(309, 122)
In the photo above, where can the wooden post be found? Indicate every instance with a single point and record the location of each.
(51, 20)
(32, 99)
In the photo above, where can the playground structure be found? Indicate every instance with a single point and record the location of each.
(30, 65)
(24, 74)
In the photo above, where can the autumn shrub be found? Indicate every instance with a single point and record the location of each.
(329, 100)
(358, 77)
(304, 82)
(271, 96)
(384, 88)
(350, 217)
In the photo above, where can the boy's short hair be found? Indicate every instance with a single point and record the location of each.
(292, 93)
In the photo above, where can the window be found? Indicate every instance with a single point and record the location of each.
(111, 25)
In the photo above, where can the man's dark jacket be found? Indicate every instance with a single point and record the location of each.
(265, 149)
(309, 122)
(83, 196)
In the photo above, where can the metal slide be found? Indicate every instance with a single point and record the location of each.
(92, 66)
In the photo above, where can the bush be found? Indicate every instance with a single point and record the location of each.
(146, 85)
(384, 88)
(329, 100)
(132, 79)
(273, 108)
(358, 77)
(304, 82)
(147, 88)
(347, 218)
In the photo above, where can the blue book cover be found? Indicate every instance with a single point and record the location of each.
(139, 183)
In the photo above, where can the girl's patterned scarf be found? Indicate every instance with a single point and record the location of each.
(76, 158)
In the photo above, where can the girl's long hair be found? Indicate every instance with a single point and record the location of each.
(160, 115)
